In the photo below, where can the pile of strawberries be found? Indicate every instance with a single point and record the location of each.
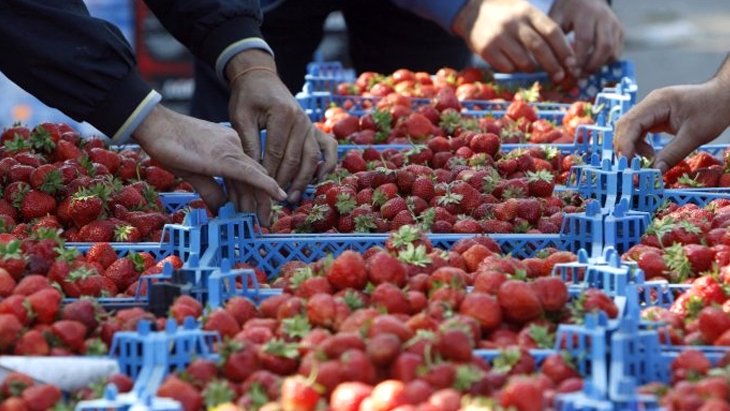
(19, 392)
(696, 384)
(52, 178)
(690, 245)
(699, 170)
(469, 84)
(42, 261)
(395, 325)
(394, 121)
(462, 185)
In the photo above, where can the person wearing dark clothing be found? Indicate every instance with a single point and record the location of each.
(83, 66)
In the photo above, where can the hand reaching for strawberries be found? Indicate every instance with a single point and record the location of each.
(599, 35)
(294, 147)
(197, 150)
(694, 114)
(514, 35)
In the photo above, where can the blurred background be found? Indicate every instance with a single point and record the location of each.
(670, 42)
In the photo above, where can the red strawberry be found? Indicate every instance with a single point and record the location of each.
(223, 322)
(353, 162)
(485, 143)
(85, 207)
(382, 267)
(108, 159)
(83, 311)
(71, 334)
(519, 301)
(41, 397)
(184, 392)
(445, 99)
(523, 394)
(10, 330)
(552, 293)
(392, 207)
(97, 231)
(46, 178)
(159, 178)
(122, 272)
(387, 395)
(298, 394)
(32, 343)
(45, 304)
(37, 204)
(348, 271)
(101, 253)
(540, 183)
(349, 395)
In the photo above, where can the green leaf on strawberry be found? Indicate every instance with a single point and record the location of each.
(297, 326)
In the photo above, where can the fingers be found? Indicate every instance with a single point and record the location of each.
(517, 54)
(542, 52)
(248, 131)
(294, 150)
(263, 207)
(677, 149)
(555, 38)
(309, 159)
(618, 41)
(328, 146)
(232, 194)
(499, 60)
(280, 128)
(210, 191)
(235, 165)
(584, 33)
(602, 48)
(631, 128)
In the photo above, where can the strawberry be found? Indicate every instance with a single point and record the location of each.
(127, 234)
(101, 253)
(382, 268)
(45, 304)
(713, 322)
(392, 207)
(86, 280)
(159, 178)
(519, 301)
(353, 162)
(181, 391)
(387, 395)
(46, 178)
(540, 183)
(32, 343)
(97, 231)
(84, 311)
(41, 397)
(488, 143)
(298, 394)
(552, 293)
(85, 207)
(348, 396)
(10, 330)
(37, 204)
(347, 271)
(223, 322)
(122, 272)
(529, 209)
(71, 334)
(109, 159)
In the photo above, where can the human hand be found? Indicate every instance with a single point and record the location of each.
(513, 35)
(694, 114)
(197, 151)
(599, 35)
(294, 146)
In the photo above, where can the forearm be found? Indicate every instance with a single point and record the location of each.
(73, 62)
(213, 30)
(722, 76)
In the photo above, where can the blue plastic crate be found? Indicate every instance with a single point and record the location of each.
(148, 356)
(694, 196)
(113, 401)
(239, 241)
(609, 182)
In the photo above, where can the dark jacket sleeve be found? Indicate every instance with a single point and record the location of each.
(211, 28)
(81, 65)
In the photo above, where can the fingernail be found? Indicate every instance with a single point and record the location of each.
(282, 195)
(571, 62)
(576, 72)
(293, 197)
(559, 76)
(662, 166)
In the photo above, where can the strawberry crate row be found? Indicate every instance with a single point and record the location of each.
(332, 77)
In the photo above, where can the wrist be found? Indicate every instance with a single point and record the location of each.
(248, 59)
